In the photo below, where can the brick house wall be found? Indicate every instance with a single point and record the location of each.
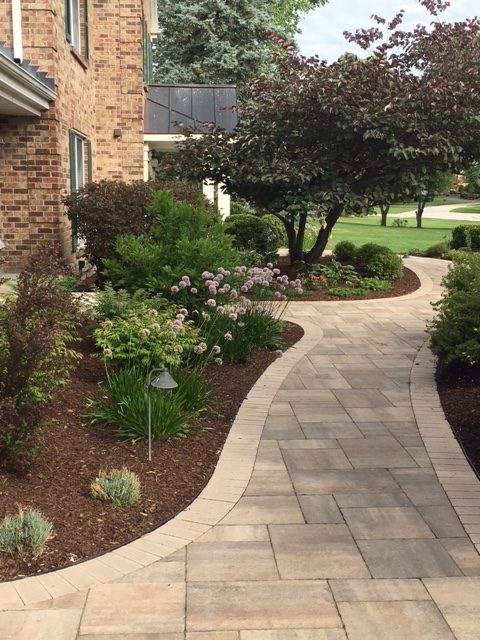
(94, 97)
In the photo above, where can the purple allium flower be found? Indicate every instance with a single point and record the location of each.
(276, 271)
(212, 289)
(219, 277)
(242, 311)
(277, 294)
(226, 273)
(153, 312)
(144, 333)
(284, 297)
(108, 323)
(180, 317)
(186, 279)
(226, 287)
(184, 311)
(206, 275)
(279, 353)
(234, 294)
(174, 289)
(216, 349)
(107, 353)
(156, 326)
(194, 290)
(182, 284)
(269, 265)
(240, 324)
(178, 349)
(211, 303)
(218, 361)
(244, 288)
(228, 336)
(221, 309)
(233, 316)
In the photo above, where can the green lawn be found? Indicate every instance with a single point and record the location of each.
(405, 207)
(474, 208)
(400, 239)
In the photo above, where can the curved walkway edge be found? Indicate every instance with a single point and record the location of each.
(225, 487)
(453, 470)
(341, 508)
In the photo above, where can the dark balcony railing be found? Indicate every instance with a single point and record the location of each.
(190, 105)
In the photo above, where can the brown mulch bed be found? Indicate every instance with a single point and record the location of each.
(459, 390)
(73, 452)
(408, 283)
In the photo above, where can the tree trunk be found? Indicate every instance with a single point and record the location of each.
(318, 248)
(384, 209)
(302, 221)
(420, 209)
(292, 241)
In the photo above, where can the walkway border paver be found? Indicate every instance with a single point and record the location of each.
(224, 489)
(452, 468)
(235, 466)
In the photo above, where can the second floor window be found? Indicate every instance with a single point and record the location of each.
(76, 25)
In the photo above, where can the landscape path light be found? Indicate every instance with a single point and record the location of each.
(161, 382)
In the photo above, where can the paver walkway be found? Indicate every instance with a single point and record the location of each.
(344, 530)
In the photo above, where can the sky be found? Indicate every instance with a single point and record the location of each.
(322, 29)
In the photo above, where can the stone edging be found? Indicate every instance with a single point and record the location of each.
(453, 470)
(224, 489)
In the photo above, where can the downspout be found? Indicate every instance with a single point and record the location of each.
(17, 31)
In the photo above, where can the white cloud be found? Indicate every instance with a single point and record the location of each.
(322, 29)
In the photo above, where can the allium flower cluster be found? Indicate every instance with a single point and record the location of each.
(200, 348)
(144, 333)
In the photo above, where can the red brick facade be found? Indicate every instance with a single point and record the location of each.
(94, 97)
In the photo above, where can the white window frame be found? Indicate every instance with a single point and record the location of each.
(75, 30)
(79, 161)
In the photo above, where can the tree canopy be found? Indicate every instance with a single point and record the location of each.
(221, 41)
(321, 137)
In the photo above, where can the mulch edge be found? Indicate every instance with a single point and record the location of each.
(435, 429)
(204, 512)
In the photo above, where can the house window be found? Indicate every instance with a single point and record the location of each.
(76, 25)
(80, 152)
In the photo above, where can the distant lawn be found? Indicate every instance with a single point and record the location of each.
(405, 207)
(400, 239)
(474, 208)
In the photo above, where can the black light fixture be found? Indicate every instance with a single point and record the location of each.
(161, 382)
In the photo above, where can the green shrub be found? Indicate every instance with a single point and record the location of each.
(436, 250)
(120, 486)
(379, 262)
(375, 284)
(278, 226)
(147, 337)
(102, 211)
(252, 232)
(399, 222)
(27, 531)
(184, 239)
(241, 208)
(37, 323)
(120, 304)
(455, 331)
(345, 251)
(465, 237)
(125, 404)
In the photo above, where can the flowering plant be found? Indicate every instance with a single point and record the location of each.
(147, 337)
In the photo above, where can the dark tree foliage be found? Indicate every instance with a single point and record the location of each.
(321, 138)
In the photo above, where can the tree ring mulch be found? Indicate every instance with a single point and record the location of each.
(73, 453)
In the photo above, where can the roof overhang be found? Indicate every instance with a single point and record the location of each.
(20, 93)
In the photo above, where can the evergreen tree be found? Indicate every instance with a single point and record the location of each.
(221, 41)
